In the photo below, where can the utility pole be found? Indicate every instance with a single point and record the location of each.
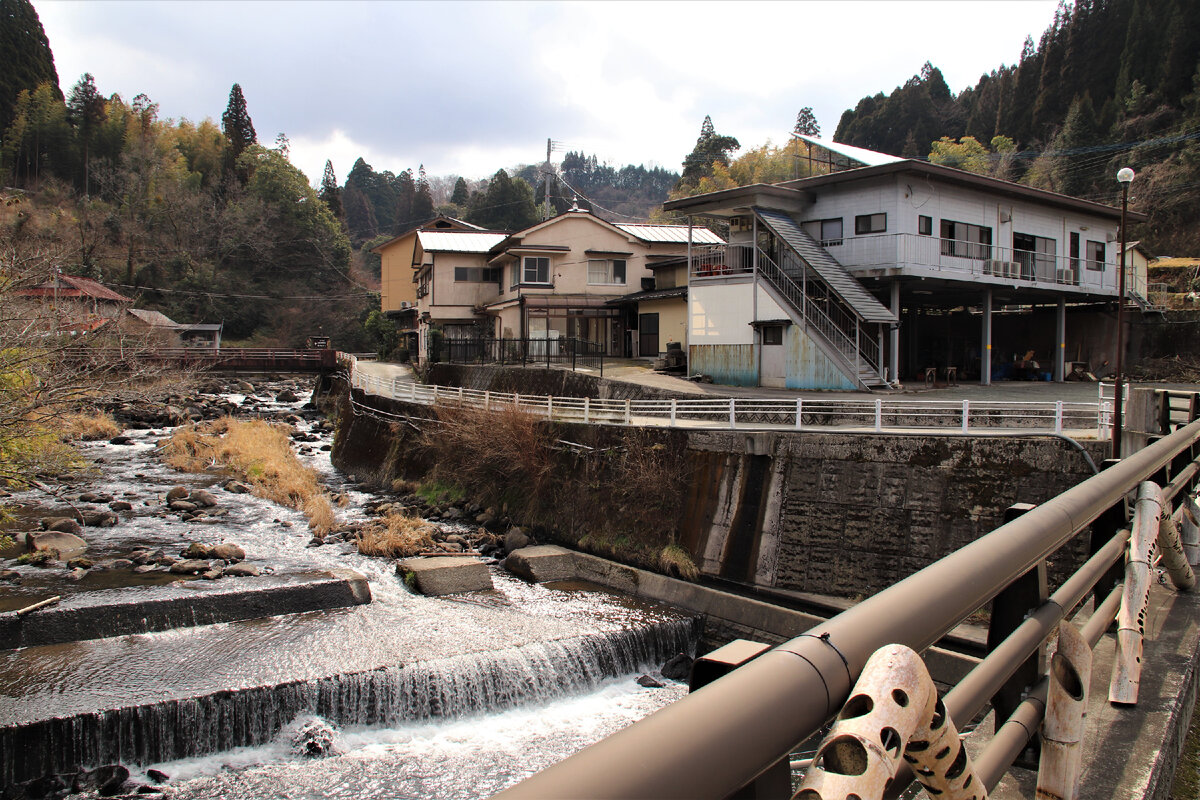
(546, 168)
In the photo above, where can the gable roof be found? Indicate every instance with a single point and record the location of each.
(440, 222)
(476, 241)
(645, 233)
(155, 319)
(74, 286)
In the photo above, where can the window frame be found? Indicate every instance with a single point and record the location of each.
(771, 335)
(957, 241)
(537, 279)
(825, 227)
(610, 271)
(924, 225)
(864, 224)
(1093, 263)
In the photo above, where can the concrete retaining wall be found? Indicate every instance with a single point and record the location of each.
(827, 513)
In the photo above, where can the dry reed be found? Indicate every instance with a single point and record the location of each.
(87, 426)
(396, 536)
(258, 453)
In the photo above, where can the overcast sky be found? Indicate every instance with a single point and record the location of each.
(466, 88)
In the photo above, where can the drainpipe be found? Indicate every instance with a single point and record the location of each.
(755, 333)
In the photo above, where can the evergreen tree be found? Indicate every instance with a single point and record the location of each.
(330, 193)
(461, 193)
(422, 206)
(236, 123)
(711, 148)
(85, 110)
(406, 195)
(360, 215)
(806, 123)
(506, 204)
(27, 61)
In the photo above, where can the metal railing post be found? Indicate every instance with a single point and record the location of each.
(587, 410)
(412, 392)
(487, 401)
(549, 407)
(1058, 416)
(628, 411)
(1009, 609)
(732, 412)
(673, 403)
(878, 414)
(966, 413)
(799, 412)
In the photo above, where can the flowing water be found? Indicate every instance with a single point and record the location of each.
(520, 676)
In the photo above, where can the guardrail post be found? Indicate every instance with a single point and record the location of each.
(1058, 416)
(587, 410)
(628, 412)
(966, 413)
(799, 412)
(435, 394)
(412, 392)
(732, 412)
(550, 407)
(878, 414)
(673, 401)
(394, 392)
(1009, 609)
(487, 401)
(517, 402)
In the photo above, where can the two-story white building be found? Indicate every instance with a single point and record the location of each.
(862, 276)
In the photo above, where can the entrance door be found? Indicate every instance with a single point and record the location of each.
(772, 364)
(648, 335)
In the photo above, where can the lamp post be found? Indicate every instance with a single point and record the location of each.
(1125, 177)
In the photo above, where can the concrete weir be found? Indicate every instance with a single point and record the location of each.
(119, 612)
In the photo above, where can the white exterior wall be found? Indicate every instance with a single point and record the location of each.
(721, 313)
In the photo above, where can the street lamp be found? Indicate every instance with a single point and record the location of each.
(1125, 177)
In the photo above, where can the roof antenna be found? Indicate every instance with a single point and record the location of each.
(575, 203)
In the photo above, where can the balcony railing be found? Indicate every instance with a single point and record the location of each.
(953, 257)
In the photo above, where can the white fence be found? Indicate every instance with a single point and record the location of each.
(871, 414)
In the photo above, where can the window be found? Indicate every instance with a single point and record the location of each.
(870, 223)
(606, 271)
(772, 334)
(536, 270)
(1074, 250)
(476, 275)
(925, 225)
(1095, 255)
(1037, 256)
(964, 240)
(828, 232)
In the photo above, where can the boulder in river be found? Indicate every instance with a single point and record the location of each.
(190, 566)
(515, 539)
(100, 519)
(678, 667)
(242, 571)
(202, 498)
(227, 551)
(196, 550)
(67, 545)
(62, 525)
(177, 493)
(316, 738)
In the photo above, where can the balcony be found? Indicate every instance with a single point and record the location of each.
(931, 256)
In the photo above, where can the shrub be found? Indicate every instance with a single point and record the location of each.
(396, 536)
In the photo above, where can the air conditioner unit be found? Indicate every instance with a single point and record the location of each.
(1004, 269)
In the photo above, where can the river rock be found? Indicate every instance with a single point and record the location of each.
(649, 682)
(195, 550)
(182, 505)
(315, 739)
(237, 487)
(213, 573)
(62, 525)
(190, 566)
(77, 574)
(228, 551)
(93, 497)
(67, 545)
(157, 775)
(202, 497)
(678, 667)
(120, 440)
(100, 519)
(242, 571)
(121, 505)
(177, 493)
(80, 563)
(10, 576)
(515, 539)
(245, 387)
(110, 779)
(287, 396)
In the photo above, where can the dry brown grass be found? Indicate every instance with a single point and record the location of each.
(396, 536)
(87, 426)
(674, 560)
(258, 453)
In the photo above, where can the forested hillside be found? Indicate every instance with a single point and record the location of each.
(1111, 83)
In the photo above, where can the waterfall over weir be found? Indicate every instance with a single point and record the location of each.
(462, 684)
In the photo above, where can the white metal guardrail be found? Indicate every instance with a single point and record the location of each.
(873, 414)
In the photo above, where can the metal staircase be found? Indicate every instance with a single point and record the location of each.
(839, 314)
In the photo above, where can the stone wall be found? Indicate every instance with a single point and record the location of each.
(828, 513)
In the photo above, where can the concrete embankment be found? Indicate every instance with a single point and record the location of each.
(826, 513)
(118, 612)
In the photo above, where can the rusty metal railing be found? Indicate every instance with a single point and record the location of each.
(722, 737)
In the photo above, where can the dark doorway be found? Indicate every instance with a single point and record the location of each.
(648, 335)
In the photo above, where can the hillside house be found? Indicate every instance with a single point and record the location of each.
(887, 268)
(70, 304)
(551, 281)
(658, 314)
(398, 280)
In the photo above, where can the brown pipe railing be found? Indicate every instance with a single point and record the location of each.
(717, 740)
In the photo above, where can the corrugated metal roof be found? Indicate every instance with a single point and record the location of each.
(825, 265)
(868, 158)
(676, 234)
(459, 241)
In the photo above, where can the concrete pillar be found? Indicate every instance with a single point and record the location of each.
(894, 334)
(985, 347)
(1060, 344)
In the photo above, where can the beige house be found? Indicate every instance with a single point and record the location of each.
(658, 315)
(557, 278)
(398, 281)
(453, 283)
